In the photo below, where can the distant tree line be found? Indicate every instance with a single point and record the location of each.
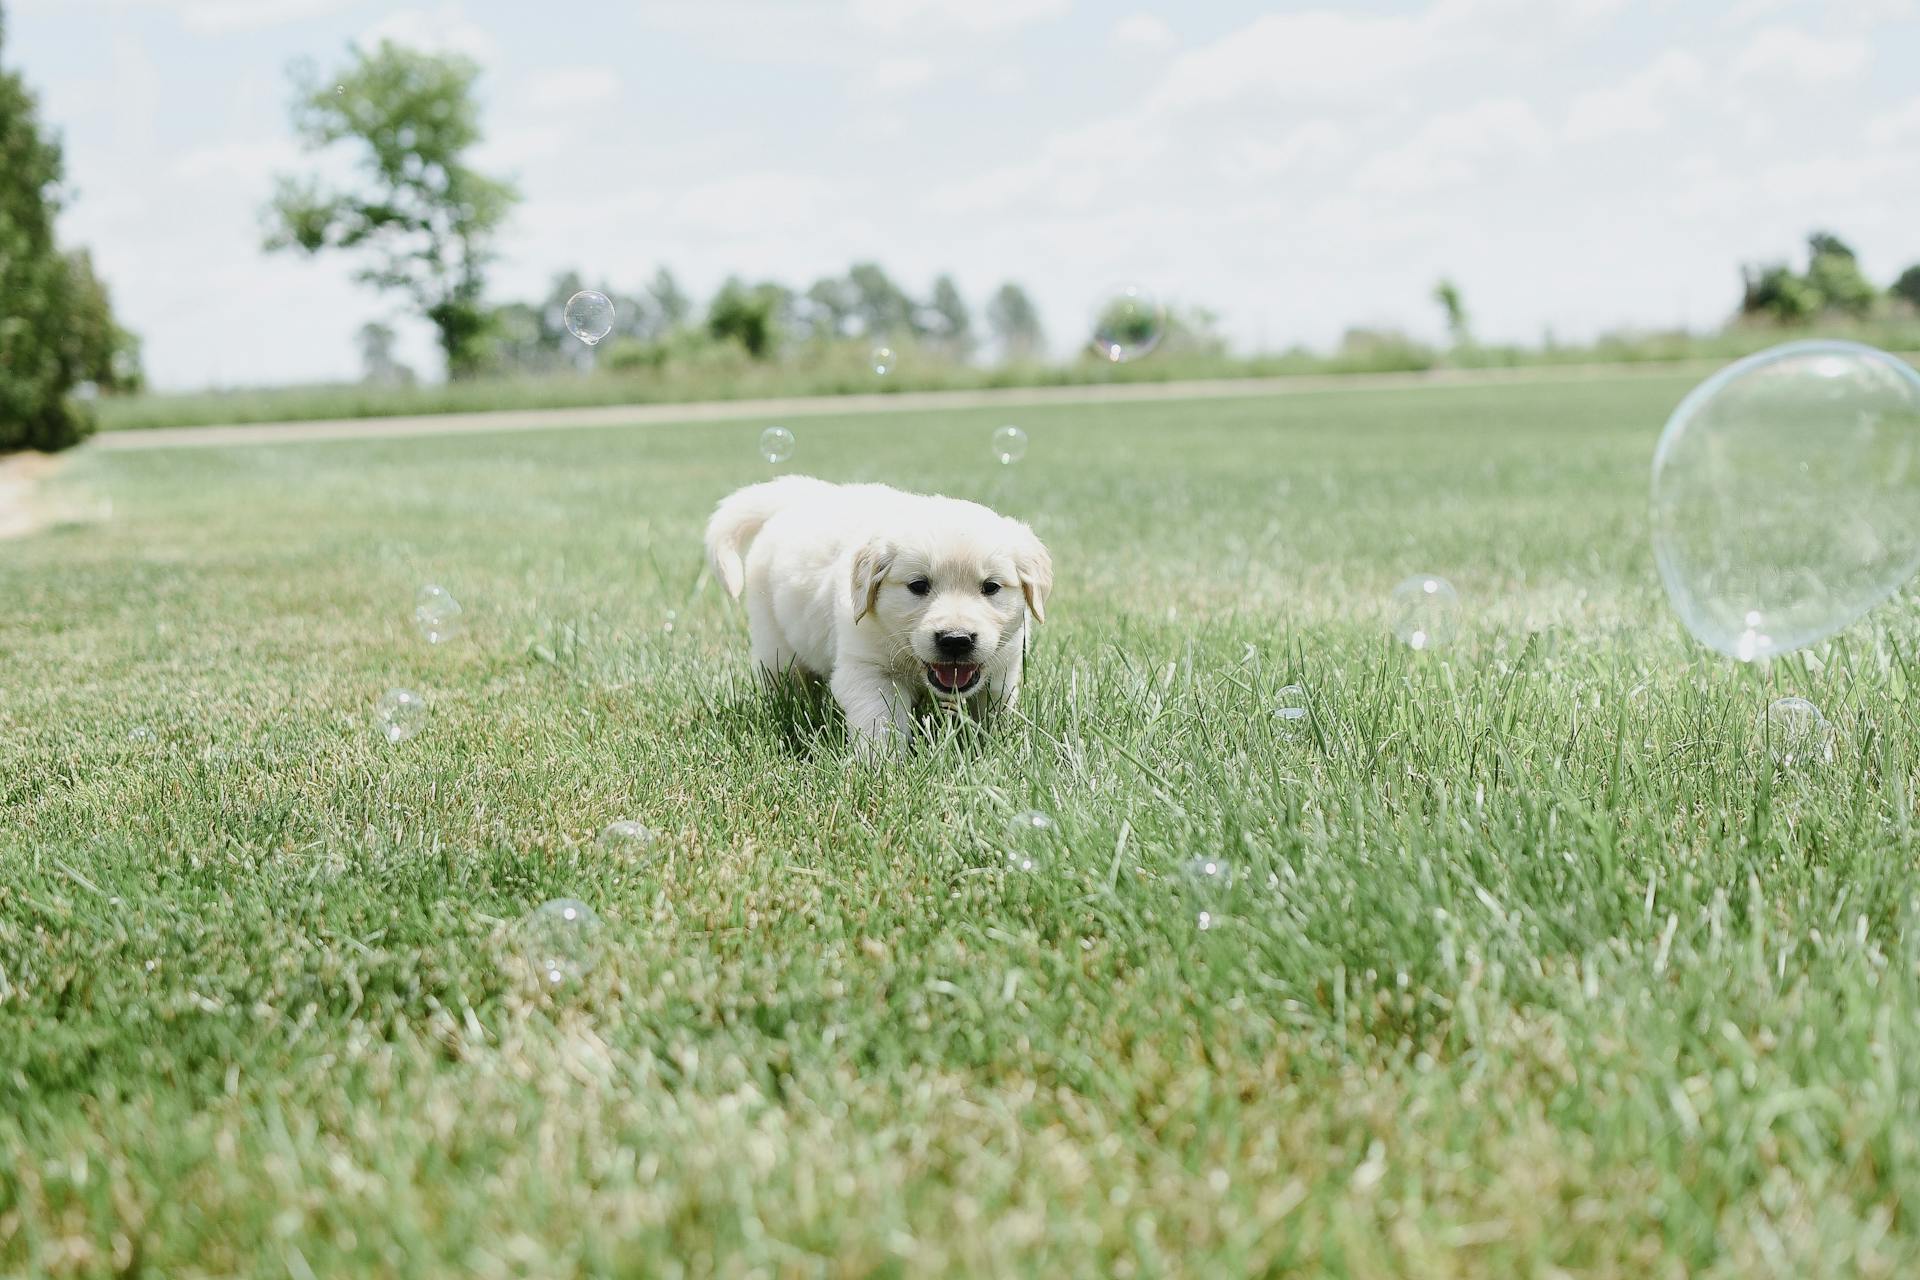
(1831, 285)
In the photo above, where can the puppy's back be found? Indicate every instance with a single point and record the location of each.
(741, 514)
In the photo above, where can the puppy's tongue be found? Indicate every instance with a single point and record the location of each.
(953, 676)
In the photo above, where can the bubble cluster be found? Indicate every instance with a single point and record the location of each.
(1786, 495)
(1128, 325)
(400, 714)
(776, 445)
(1796, 733)
(436, 613)
(1208, 881)
(883, 361)
(560, 941)
(589, 316)
(1009, 445)
(1424, 611)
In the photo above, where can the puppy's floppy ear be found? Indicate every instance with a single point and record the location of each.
(870, 565)
(1035, 566)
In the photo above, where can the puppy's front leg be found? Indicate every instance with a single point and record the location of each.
(878, 708)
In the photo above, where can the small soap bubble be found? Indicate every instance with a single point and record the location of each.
(776, 445)
(436, 613)
(1796, 733)
(1128, 325)
(626, 836)
(340, 90)
(400, 714)
(560, 941)
(1209, 874)
(1290, 708)
(140, 733)
(883, 361)
(672, 619)
(1009, 445)
(1027, 837)
(589, 316)
(1425, 611)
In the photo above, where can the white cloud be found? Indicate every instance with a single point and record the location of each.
(1641, 103)
(443, 29)
(965, 15)
(1894, 127)
(895, 75)
(1456, 146)
(1142, 31)
(247, 15)
(1254, 159)
(564, 89)
(1787, 54)
(228, 160)
(1318, 55)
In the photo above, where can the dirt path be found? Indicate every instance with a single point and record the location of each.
(454, 424)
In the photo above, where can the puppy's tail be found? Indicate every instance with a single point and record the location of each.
(740, 515)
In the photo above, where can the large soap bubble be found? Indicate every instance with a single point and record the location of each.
(1786, 495)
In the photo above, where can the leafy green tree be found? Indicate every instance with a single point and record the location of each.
(56, 324)
(882, 307)
(671, 304)
(830, 307)
(950, 324)
(1447, 294)
(746, 315)
(1015, 323)
(1773, 291)
(378, 363)
(1907, 287)
(420, 215)
(1833, 272)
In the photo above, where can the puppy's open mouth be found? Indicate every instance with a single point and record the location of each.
(953, 678)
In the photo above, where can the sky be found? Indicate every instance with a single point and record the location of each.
(1575, 165)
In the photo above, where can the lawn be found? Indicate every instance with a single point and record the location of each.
(1533, 962)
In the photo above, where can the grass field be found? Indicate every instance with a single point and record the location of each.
(1533, 963)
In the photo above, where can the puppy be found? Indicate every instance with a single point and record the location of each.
(898, 600)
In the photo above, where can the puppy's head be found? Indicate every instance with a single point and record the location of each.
(952, 593)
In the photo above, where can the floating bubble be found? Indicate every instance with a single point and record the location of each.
(776, 445)
(1009, 445)
(1027, 837)
(1425, 611)
(1290, 708)
(340, 90)
(1786, 495)
(140, 733)
(560, 940)
(1796, 733)
(1128, 325)
(1208, 880)
(883, 361)
(626, 836)
(400, 713)
(589, 316)
(436, 613)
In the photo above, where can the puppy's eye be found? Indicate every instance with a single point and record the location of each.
(989, 588)
(919, 586)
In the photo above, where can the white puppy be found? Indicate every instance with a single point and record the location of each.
(895, 599)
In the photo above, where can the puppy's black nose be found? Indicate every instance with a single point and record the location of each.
(954, 644)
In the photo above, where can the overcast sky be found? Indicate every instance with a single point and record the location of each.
(1575, 164)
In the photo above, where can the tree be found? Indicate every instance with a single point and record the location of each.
(421, 216)
(1015, 323)
(1447, 294)
(745, 315)
(1773, 291)
(378, 363)
(1834, 274)
(670, 302)
(56, 324)
(1907, 287)
(882, 307)
(949, 324)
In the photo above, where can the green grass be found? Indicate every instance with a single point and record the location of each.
(725, 373)
(1534, 963)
